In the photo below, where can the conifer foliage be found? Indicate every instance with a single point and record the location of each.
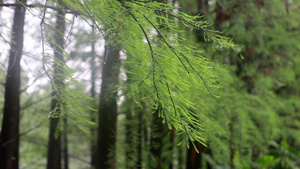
(173, 91)
(157, 64)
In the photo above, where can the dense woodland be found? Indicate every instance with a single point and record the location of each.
(142, 84)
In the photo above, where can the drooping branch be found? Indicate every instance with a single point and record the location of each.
(182, 19)
(169, 91)
(154, 61)
(152, 55)
(158, 31)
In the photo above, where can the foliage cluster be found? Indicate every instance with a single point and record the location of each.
(182, 82)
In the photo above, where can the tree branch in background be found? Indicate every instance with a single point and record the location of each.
(182, 19)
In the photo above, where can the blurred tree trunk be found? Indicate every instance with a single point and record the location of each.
(140, 140)
(129, 128)
(107, 118)
(134, 137)
(202, 9)
(156, 140)
(9, 138)
(93, 95)
(54, 145)
(172, 141)
(194, 159)
(65, 144)
(129, 134)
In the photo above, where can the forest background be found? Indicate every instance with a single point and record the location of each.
(150, 84)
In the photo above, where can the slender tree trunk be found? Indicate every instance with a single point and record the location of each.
(93, 95)
(9, 138)
(156, 141)
(133, 137)
(193, 158)
(129, 136)
(172, 140)
(140, 134)
(54, 145)
(108, 108)
(65, 144)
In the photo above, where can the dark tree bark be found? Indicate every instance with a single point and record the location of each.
(108, 108)
(156, 144)
(194, 158)
(65, 144)
(172, 141)
(9, 138)
(54, 145)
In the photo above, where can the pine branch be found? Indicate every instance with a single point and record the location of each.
(154, 61)
(161, 36)
(201, 77)
(169, 91)
(180, 18)
(177, 54)
(150, 47)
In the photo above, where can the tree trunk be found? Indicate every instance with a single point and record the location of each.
(93, 95)
(65, 144)
(193, 158)
(9, 139)
(129, 134)
(156, 144)
(54, 145)
(221, 16)
(202, 9)
(108, 108)
(140, 134)
(172, 141)
(134, 135)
